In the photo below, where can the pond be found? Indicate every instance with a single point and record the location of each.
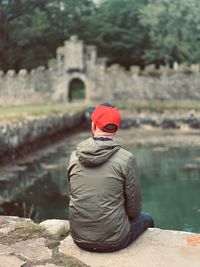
(36, 187)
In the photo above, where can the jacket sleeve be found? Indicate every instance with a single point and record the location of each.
(132, 190)
(72, 161)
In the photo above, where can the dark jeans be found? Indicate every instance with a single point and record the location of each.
(138, 226)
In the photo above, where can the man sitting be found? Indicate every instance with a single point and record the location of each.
(105, 199)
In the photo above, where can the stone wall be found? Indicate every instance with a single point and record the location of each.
(78, 61)
(127, 86)
(24, 87)
(14, 136)
(173, 119)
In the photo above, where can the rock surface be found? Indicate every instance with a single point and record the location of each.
(54, 226)
(165, 120)
(46, 265)
(10, 261)
(32, 249)
(8, 223)
(154, 248)
(28, 244)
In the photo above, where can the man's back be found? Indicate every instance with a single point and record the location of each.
(104, 194)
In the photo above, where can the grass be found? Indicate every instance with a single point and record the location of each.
(29, 230)
(61, 259)
(24, 231)
(21, 112)
(160, 106)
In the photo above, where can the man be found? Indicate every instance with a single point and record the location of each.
(105, 199)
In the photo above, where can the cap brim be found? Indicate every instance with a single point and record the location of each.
(90, 110)
(106, 105)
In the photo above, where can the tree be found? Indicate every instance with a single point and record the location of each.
(117, 32)
(31, 30)
(128, 32)
(174, 30)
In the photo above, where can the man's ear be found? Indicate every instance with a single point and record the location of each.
(93, 127)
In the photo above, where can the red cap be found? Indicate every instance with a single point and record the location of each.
(106, 118)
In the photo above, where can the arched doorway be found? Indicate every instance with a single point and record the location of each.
(76, 90)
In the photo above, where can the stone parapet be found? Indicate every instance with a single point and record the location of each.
(14, 135)
(156, 247)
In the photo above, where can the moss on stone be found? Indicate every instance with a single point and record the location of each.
(61, 259)
(24, 231)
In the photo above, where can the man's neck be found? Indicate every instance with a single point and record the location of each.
(98, 134)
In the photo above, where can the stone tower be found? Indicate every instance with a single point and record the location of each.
(74, 55)
(77, 62)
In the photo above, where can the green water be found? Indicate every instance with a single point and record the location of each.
(170, 187)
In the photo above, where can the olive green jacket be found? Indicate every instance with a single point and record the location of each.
(104, 193)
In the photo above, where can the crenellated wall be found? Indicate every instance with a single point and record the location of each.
(77, 61)
(24, 87)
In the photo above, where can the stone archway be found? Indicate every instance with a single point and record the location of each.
(76, 90)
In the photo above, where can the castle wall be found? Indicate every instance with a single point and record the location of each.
(23, 87)
(116, 84)
(75, 60)
(175, 86)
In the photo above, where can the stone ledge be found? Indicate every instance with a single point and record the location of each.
(155, 247)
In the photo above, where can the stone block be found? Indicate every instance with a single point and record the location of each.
(23, 72)
(1, 73)
(195, 68)
(32, 249)
(4, 250)
(135, 70)
(46, 265)
(54, 226)
(149, 68)
(10, 73)
(10, 261)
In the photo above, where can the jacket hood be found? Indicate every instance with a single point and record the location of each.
(94, 153)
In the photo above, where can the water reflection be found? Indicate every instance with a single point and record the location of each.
(171, 192)
(170, 178)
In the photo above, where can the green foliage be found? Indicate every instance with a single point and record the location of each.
(174, 31)
(117, 32)
(129, 32)
(31, 30)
